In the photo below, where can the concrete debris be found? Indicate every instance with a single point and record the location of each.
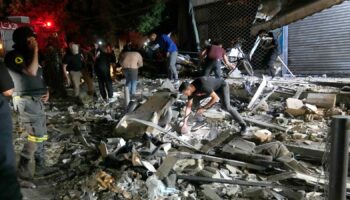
(136, 151)
(322, 100)
(157, 190)
(295, 107)
(263, 135)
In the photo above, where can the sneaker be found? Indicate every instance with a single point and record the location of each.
(177, 83)
(198, 125)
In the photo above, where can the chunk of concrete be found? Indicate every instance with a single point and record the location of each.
(164, 170)
(295, 107)
(209, 193)
(322, 100)
(154, 107)
(263, 135)
(311, 108)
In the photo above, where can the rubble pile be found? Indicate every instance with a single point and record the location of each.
(115, 151)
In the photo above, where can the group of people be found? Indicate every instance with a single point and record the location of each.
(216, 88)
(78, 64)
(22, 78)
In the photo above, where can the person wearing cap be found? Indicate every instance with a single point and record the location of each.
(30, 94)
(9, 186)
(215, 88)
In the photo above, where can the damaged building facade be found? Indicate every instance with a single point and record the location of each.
(314, 45)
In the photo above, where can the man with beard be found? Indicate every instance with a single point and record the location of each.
(29, 96)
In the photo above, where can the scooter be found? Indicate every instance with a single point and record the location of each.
(237, 57)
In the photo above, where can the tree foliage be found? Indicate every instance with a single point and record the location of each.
(151, 19)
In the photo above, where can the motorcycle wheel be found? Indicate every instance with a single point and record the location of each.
(248, 67)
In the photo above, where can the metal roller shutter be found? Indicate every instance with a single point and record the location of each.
(320, 44)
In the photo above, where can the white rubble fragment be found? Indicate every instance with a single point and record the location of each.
(157, 189)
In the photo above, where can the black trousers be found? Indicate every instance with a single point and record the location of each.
(224, 95)
(105, 85)
(9, 186)
(272, 57)
(212, 65)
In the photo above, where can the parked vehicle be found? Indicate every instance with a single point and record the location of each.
(240, 59)
(235, 56)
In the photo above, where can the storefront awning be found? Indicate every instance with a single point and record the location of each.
(293, 12)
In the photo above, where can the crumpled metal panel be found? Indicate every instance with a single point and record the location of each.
(290, 11)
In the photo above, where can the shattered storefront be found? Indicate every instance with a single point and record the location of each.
(320, 44)
(316, 45)
(226, 21)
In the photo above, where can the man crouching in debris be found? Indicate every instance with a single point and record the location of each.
(30, 93)
(204, 87)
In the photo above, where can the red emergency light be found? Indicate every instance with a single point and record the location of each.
(48, 24)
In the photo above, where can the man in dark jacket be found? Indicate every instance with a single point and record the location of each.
(271, 44)
(103, 64)
(29, 96)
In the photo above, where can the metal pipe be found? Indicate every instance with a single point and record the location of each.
(194, 25)
(338, 157)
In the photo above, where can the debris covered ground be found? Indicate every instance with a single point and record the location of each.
(135, 151)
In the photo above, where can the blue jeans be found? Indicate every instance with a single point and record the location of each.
(131, 80)
(213, 65)
(172, 71)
